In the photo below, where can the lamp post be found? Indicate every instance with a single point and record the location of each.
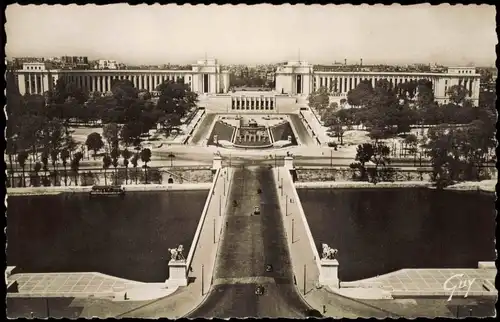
(293, 228)
(47, 305)
(202, 286)
(331, 158)
(305, 267)
(286, 205)
(214, 230)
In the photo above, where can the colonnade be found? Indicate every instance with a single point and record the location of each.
(252, 103)
(143, 81)
(342, 84)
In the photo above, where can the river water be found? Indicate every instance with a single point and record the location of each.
(378, 231)
(125, 237)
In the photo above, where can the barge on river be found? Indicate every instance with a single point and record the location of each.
(107, 191)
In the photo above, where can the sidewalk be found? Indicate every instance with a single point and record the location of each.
(319, 130)
(186, 299)
(302, 254)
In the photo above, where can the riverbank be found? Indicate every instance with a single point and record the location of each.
(485, 185)
(30, 191)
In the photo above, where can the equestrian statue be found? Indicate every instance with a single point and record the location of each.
(176, 253)
(328, 252)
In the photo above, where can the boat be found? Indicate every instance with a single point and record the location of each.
(107, 191)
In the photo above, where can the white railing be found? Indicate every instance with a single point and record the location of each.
(202, 221)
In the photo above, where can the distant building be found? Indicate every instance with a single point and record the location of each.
(18, 62)
(107, 64)
(75, 62)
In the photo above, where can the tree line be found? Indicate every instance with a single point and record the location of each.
(456, 152)
(39, 126)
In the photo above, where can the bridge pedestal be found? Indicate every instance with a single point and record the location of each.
(177, 273)
(329, 274)
(289, 163)
(217, 162)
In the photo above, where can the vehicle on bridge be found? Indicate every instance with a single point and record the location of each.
(256, 210)
(259, 290)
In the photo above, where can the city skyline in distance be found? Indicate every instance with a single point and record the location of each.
(135, 35)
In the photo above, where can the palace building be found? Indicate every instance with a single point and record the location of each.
(294, 82)
(204, 77)
(300, 78)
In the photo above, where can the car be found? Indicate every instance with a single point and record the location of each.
(256, 210)
(313, 313)
(259, 290)
(269, 268)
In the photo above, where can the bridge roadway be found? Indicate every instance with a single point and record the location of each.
(250, 242)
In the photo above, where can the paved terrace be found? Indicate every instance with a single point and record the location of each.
(429, 282)
(69, 284)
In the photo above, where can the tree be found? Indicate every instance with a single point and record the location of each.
(106, 162)
(54, 156)
(45, 162)
(130, 133)
(339, 132)
(115, 154)
(134, 162)
(175, 100)
(172, 157)
(146, 157)
(70, 144)
(457, 94)
(364, 153)
(64, 90)
(94, 142)
(319, 99)
(11, 149)
(124, 92)
(377, 153)
(425, 95)
(22, 156)
(64, 159)
(36, 170)
(126, 154)
(110, 133)
(411, 142)
(75, 165)
(361, 95)
(380, 156)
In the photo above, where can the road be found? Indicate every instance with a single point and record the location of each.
(301, 130)
(250, 242)
(203, 128)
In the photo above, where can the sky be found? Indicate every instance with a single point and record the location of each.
(449, 35)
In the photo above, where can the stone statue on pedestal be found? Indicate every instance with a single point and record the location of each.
(328, 252)
(176, 253)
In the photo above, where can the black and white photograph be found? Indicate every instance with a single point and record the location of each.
(250, 161)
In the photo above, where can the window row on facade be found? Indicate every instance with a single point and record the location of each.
(345, 84)
(40, 83)
(105, 83)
